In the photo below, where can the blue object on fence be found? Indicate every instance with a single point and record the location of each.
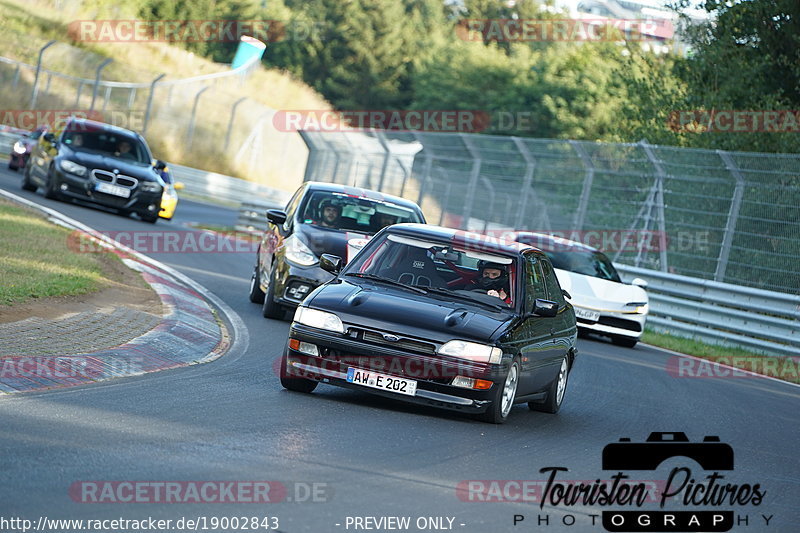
(249, 47)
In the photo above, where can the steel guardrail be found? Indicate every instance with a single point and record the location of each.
(721, 313)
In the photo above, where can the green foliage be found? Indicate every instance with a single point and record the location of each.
(390, 54)
(200, 10)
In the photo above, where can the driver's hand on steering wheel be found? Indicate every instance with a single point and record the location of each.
(500, 294)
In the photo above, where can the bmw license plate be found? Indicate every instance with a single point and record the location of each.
(114, 190)
(381, 381)
(586, 314)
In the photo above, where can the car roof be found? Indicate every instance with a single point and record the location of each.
(471, 239)
(552, 240)
(360, 193)
(93, 124)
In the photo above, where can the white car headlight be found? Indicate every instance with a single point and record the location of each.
(72, 167)
(297, 252)
(480, 353)
(19, 148)
(318, 319)
(640, 308)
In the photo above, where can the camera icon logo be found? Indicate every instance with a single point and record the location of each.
(710, 454)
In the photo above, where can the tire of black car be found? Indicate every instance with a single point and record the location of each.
(295, 384)
(256, 294)
(503, 397)
(556, 391)
(627, 342)
(51, 188)
(26, 180)
(270, 309)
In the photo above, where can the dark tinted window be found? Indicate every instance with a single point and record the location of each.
(551, 282)
(534, 282)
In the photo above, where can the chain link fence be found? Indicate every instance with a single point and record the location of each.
(202, 120)
(732, 217)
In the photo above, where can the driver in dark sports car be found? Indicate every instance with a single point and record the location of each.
(492, 278)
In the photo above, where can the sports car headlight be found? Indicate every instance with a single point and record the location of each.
(480, 353)
(639, 308)
(72, 167)
(318, 319)
(19, 148)
(150, 186)
(297, 252)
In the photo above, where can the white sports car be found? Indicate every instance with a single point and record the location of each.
(603, 303)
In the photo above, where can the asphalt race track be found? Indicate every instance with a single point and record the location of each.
(367, 456)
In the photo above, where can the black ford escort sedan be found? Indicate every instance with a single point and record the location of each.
(440, 317)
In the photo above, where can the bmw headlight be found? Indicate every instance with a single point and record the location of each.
(150, 186)
(19, 148)
(318, 319)
(297, 252)
(72, 167)
(480, 353)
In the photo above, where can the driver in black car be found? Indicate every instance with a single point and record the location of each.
(330, 213)
(492, 278)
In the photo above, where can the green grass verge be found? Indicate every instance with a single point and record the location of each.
(36, 262)
(786, 368)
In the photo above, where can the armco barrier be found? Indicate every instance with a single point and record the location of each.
(214, 187)
(721, 313)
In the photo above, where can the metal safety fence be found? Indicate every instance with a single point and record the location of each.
(721, 313)
(731, 217)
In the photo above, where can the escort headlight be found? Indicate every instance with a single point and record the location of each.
(472, 351)
(318, 319)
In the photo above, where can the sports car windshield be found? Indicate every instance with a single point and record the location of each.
(350, 213)
(589, 263)
(442, 268)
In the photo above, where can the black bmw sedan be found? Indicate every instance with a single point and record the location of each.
(320, 218)
(440, 317)
(98, 163)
